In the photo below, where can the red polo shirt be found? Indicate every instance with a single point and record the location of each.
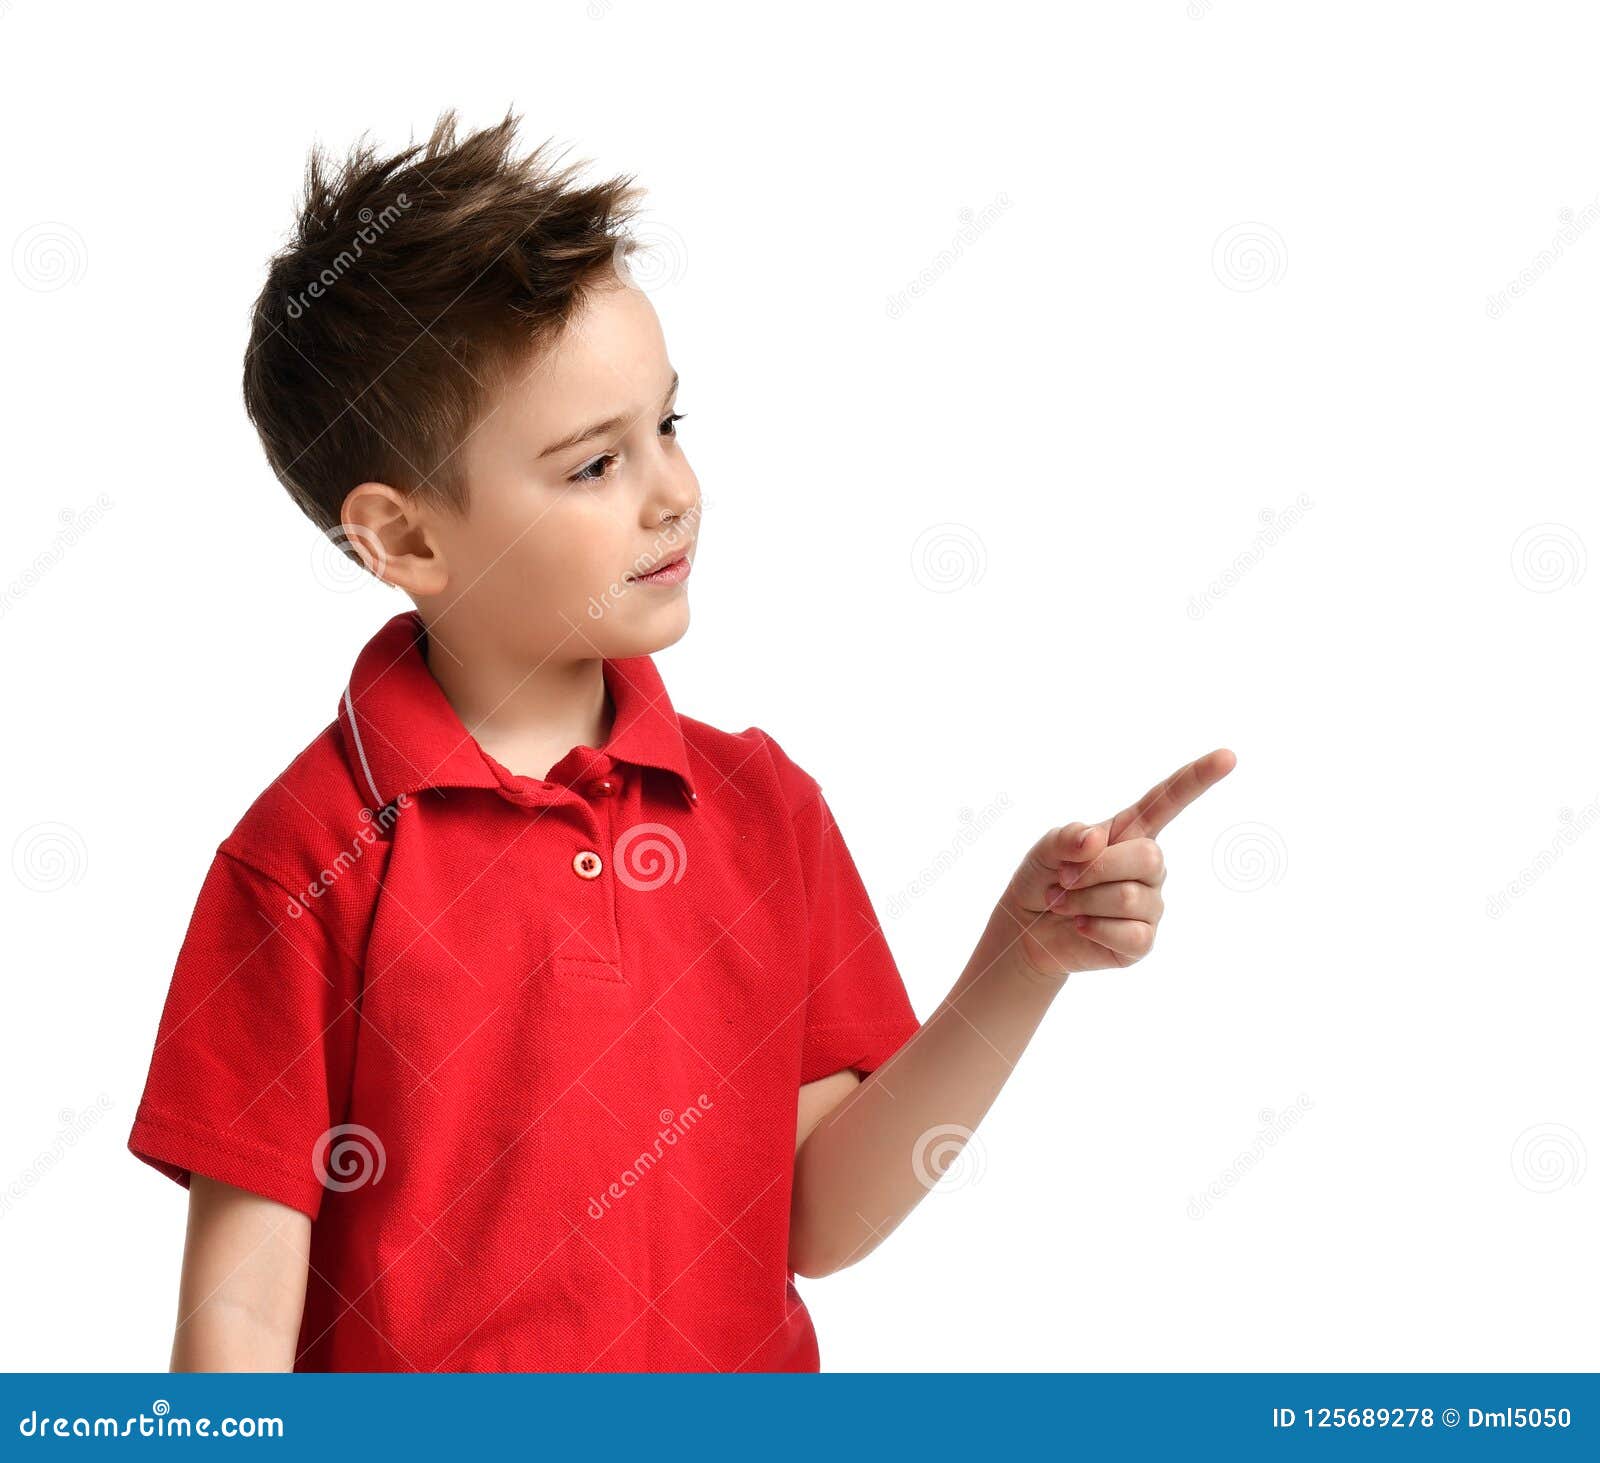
(527, 1052)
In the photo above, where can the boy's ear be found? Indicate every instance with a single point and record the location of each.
(393, 533)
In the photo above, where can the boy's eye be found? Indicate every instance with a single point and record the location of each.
(594, 472)
(600, 469)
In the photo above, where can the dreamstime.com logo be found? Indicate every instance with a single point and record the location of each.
(74, 1128)
(1574, 225)
(1274, 525)
(1548, 556)
(49, 856)
(649, 855)
(157, 1423)
(374, 825)
(947, 557)
(348, 1157)
(1274, 1125)
(974, 225)
(373, 227)
(1547, 1157)
(348, 558)
(673, 1126)
(74, 526)
(945, 1158)
(1573, 826)
(1249, 856)
(48, 256)
(1247, 256)
(973, 827)
(677, 533)
(653, 255)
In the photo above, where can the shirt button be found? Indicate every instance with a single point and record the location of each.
(587, 864)
(604, 787)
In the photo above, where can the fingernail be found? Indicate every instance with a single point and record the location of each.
(1069, 877)
(1056, 897)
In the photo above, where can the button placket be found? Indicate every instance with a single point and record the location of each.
(596, 797)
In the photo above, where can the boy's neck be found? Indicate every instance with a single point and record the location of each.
(526, 716)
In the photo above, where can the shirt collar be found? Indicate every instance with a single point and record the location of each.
(402, 734)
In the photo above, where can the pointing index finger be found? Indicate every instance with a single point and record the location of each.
(1163, 803)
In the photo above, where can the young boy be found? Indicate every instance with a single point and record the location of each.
(522, 1022)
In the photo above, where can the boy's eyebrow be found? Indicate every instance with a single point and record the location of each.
(599, 429)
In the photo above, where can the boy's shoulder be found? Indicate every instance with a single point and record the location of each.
(310, 819)
(753, 753)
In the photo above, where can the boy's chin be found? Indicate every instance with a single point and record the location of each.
(644, 635)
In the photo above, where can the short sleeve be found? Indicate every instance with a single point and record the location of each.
(253, 1055)
(858, 1013)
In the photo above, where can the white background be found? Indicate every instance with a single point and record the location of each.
(1032, 535)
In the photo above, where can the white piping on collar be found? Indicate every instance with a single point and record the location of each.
(361, 751)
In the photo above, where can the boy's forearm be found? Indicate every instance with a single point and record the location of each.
(224, 1337)
(243, 1285)
(860, 1172)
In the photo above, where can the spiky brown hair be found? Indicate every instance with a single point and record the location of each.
(413, 286)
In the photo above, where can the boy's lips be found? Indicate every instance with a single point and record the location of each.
(670, 571)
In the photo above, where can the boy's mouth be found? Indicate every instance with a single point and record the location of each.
(669, 571)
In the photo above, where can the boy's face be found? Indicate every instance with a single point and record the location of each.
(544, 562)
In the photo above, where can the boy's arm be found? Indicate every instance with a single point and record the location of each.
(876, 1148)
(818, 1099)
(245, 1261)
(1084, 898)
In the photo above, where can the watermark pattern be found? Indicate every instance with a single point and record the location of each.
(48, 857)
(49, 256)
(1273, 1126)
(947, 557)
(157, 1423)
(652, 257)
(1249, 856)
(74, 1125)
(1573, 227)
(973, 827)
(348, 1157)
(673, 1126)
(674, 536)
(374, 826)
(973, 227)
(373, 227)
(1547, 557)
(348, 556)
(1573, 827)
(946, 1148)
(649, 855)
(74, 525)
(1249, 256)
(1274, 526)
(1547, 1157)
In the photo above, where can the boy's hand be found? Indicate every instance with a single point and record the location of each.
(1088, 897)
